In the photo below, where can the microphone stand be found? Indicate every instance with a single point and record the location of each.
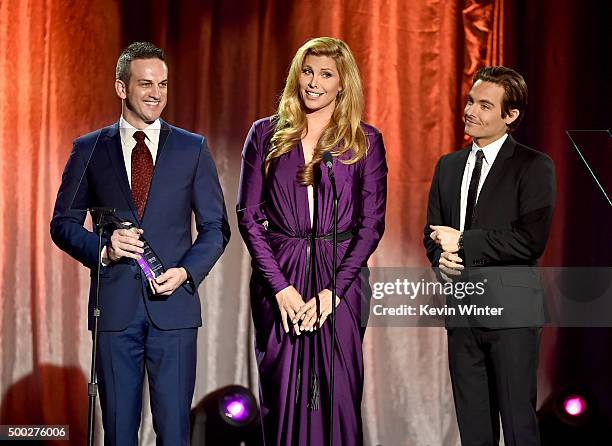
(327, 159)
(92, 388)
(586, 163)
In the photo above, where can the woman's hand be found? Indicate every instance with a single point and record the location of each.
(308, 316)
(289, 302)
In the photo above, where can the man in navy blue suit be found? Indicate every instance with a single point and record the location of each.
(156, 176)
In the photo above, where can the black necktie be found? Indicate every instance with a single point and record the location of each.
(473, 190)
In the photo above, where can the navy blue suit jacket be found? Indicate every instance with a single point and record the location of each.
(184, 180)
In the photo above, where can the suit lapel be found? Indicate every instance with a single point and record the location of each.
(458, 170)
(487, 192)
(163, 136)
(112, 140)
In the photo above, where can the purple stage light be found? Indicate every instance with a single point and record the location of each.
(574, 405)
(236, 407)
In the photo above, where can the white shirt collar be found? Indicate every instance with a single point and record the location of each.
(127, 131)
(491, 150)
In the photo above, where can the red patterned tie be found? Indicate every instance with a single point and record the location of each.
(142, 172)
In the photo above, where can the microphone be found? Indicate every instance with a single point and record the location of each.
(102, 215)
(327, 160)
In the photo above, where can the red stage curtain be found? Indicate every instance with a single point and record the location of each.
(56, 74)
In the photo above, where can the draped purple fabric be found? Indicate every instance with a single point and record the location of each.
(280, 255)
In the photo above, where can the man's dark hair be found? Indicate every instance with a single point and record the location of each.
(136, 50)
(515, 90)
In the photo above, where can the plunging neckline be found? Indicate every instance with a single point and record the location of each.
(309, 189)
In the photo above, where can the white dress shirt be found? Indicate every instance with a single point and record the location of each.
(490, 152)
(126, 132)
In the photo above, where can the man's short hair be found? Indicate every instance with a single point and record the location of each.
(136, 50)
(515, 90)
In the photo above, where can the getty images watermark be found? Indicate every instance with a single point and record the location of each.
(412, 290)
(491, 297)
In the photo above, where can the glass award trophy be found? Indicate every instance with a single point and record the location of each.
(149, 262)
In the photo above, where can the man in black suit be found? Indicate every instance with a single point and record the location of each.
(488, 219)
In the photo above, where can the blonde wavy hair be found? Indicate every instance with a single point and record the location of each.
(343, 132)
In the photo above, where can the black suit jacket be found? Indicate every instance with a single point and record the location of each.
(509, 230)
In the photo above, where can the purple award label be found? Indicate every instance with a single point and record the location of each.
(144, 265)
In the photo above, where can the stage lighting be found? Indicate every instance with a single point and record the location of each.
(239, 407)
(574, 405)
(230, 415)
(572, 408)
(571, 418)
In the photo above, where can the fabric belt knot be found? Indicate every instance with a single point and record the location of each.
(342, 236)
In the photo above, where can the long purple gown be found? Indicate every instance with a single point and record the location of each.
(279, 258)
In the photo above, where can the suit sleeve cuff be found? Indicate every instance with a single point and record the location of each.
(188, 284)
(472, 253)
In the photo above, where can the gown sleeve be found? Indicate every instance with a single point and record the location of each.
(250, 212)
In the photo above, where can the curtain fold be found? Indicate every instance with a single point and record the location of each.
(54, 84)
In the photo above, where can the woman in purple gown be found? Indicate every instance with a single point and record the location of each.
(285, 215)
